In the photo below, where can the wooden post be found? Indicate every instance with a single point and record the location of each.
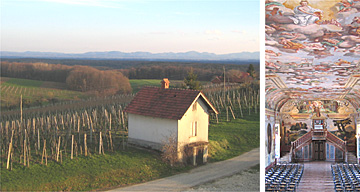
(10, 150)
(241, 113)
(123, 140)
(227, 114)
(85, 145)
(111, 144)
(25, 151)
(58, 150)
(21, 110)
(224, 82)
(100, 142)
(38, 139)
(28, 150)
(44, 155)
(76, 149)
(72, 146)
(232, 112)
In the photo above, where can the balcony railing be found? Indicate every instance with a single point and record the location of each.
(316, 134)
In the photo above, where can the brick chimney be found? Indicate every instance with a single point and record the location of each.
(165, 83)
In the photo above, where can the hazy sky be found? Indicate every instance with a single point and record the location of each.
(77, 26)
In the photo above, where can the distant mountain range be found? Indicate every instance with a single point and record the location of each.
(191, 55)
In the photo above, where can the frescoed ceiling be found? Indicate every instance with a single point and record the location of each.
(316, 57)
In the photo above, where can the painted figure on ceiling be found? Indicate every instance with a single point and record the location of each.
(305, 15)
(289, 44)
(354, 27)
(345, 5)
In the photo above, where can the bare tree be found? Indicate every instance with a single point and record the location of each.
(170, 150)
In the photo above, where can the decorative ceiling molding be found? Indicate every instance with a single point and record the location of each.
(277, 81)
(353, 80)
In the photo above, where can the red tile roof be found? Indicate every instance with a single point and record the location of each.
(164, 103)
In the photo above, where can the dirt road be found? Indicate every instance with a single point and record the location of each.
(200, 175)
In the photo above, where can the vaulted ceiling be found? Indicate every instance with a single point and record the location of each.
(319, 61)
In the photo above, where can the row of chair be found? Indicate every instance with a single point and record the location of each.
(346, 177)
(283, 177)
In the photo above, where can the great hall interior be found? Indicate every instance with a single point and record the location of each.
(312, 95)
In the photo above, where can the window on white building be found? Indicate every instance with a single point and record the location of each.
(194, 107)
(194, 129)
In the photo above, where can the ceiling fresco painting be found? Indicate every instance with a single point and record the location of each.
(313, 53)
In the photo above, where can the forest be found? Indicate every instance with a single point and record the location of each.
(78, 78)
(144, 69)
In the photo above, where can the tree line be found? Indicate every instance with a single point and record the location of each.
(180, 72)
(79, 78)
(145, 69)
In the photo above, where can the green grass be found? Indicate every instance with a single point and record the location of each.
(137, 84)
(23, 82)
(121, 168)
(230, 139)
(88, 173)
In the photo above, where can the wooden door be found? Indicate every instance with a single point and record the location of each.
(319, 150)
(200, 156)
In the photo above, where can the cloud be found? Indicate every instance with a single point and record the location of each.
(94, 3)
(239, 31)
(213, 32)
(214, 38)
(159, 33)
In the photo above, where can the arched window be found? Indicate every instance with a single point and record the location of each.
(269, 137)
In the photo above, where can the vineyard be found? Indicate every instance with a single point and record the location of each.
(39, 137)
(37, 93)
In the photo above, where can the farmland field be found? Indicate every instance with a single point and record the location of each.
(96, 134)
(34, 93)
(40, 93)
(125, 167)
(137, 84)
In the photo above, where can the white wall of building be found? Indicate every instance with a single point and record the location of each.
(201, 116)
(269, 155)
(151, 129)
(153, 132)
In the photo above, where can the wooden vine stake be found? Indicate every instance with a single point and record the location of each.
(232, 112)
(38, 134)
(72, 146)
(100, 141)
(58, 150)
(44, 154)
(85, 145)
(10, 149)
(111, 144)
(227, 114)
(25, 152)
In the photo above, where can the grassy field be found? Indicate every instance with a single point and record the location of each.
(35, 93)
(230, 139)
(121, 168)
(40, 93)
(137, 84)
(88, 173)
(227, 139)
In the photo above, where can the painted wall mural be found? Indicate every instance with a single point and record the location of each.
(296, 116)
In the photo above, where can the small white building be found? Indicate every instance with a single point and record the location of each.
(156, 114)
